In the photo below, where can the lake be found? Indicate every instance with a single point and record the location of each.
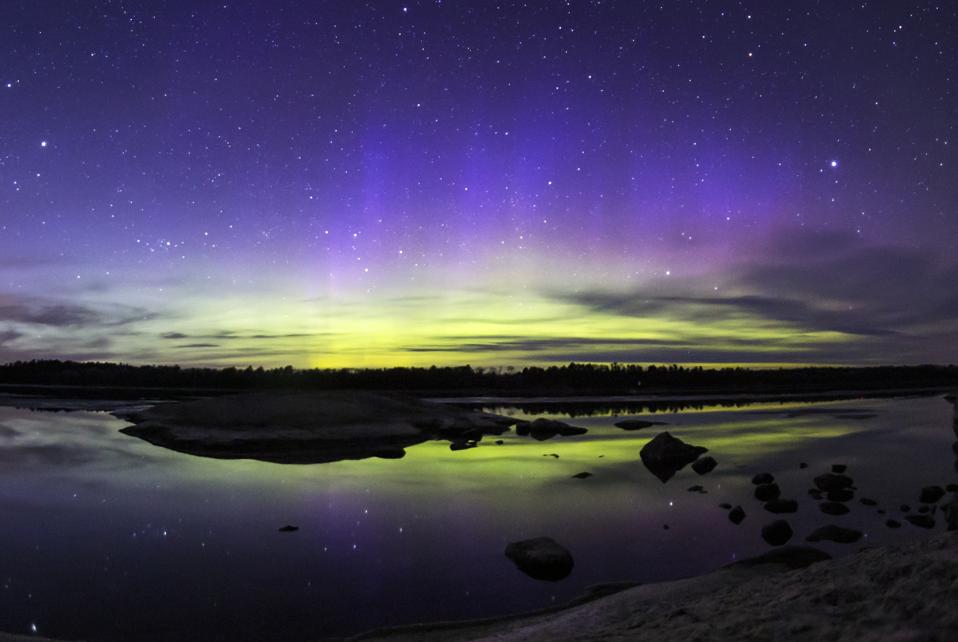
(106, 537)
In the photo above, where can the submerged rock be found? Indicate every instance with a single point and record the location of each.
(777, 533)
(704, 465)
(840, 495)
(637, 424)
(696, 489)
(781, 506)
(832, 481)
(582, 475)
(833, 508)
(839, 468)
(892, 523)
(868, 502)
(665, 455)
(725, 505)
(931, 494)
(541, 558)
(736, 515)
(921, 521)
(803, 465)
(288, 529)
(767, 492)
(835, 534)
(762, 478)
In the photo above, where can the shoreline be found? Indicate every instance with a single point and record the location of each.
(901, 591)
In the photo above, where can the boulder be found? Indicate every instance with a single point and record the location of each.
(541, 558)
(767, 492)
(931, 494)
(781, 506)
(762, 478)
(665, 455)
(832, 481)
(921, 521)
(736, 515)
(835, 534)
(833, 508)
(704, 465)
(777, 533)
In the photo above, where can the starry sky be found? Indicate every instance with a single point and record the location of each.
(345, 183)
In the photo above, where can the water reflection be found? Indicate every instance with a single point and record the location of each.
(109, 538)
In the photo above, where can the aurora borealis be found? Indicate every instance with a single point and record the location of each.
(347, 183)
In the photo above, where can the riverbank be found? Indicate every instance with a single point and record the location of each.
(900, 592)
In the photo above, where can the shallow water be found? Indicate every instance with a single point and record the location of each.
(106, 537)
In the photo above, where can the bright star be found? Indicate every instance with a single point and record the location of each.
(43, 143)
(833, 163)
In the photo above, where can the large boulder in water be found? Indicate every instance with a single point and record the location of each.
(665, 455)
(704, 465)
(777, 533)
(541, 558)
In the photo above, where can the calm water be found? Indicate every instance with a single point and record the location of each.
(105, 537)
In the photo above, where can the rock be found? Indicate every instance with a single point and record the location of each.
(931, 494)
(462, 445)
(736, 515)
(704, 465)
(904, 508)
(835, 534)
(542, 429)
(767, 492)
(762, 478)
(637, 424)
(833, 508)
(892, 523)
(725, 506)
(840, 495)
(952, 488)
(696, 489)
(923, 509)
(839, 468)
(551, 455)
(921, 521)
(665, 455)
(541, 558)
(499, 442)
(777, 533)
(803, 465)
(880, 511)
(832, 481)
(583, 475)
(288, 529)
(665, 527)
(868, 502)
(814, 492)
(781, 506)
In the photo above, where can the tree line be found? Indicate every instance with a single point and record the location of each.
(572, 378)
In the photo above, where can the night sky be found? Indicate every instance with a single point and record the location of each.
(347, 183)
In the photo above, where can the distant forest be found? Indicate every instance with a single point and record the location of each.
(571, 379)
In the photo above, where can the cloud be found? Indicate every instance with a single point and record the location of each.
(816, 282)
